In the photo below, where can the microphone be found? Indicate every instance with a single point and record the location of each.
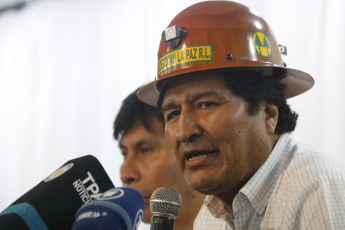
(165, 205)
(117, 209)
(52, 203)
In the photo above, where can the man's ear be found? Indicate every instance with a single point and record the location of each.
(271, 112)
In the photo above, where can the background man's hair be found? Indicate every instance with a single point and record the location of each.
(133, 110)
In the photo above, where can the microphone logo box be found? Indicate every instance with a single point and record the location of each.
(86, 188)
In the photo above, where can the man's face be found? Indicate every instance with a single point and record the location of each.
(149, 162)
(217, 144)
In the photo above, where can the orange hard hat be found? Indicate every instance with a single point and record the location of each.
(220, 35)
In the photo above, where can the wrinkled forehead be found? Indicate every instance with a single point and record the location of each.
(184, 83)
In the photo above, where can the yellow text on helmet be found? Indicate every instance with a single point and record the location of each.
(184, 55)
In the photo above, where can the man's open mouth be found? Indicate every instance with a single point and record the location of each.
(199, 155)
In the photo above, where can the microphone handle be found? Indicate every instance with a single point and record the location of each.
(162, 223)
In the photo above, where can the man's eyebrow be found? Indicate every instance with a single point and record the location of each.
(197, 96)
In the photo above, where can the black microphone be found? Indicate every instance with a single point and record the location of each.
(52, 203)
(117, 209)
(165, 205)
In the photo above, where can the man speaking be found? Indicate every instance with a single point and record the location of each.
(222, 87)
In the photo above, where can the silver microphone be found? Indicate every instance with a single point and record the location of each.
(165, 205)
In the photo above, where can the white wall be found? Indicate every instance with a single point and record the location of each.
(66, 65)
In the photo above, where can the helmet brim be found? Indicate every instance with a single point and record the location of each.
(296, 81)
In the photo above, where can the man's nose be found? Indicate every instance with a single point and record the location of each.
(187, 128)
(129, 172)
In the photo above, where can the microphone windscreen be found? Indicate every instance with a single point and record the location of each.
(52, 203)
(117, 209)
(165, 201)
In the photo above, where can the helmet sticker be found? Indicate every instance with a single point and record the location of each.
(261, 43)
(189, 54)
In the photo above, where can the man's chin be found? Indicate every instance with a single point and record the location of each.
(202, 186)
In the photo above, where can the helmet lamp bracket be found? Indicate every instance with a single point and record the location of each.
(173, 36)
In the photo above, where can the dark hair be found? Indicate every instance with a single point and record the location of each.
(257, 85)
(131, 111)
